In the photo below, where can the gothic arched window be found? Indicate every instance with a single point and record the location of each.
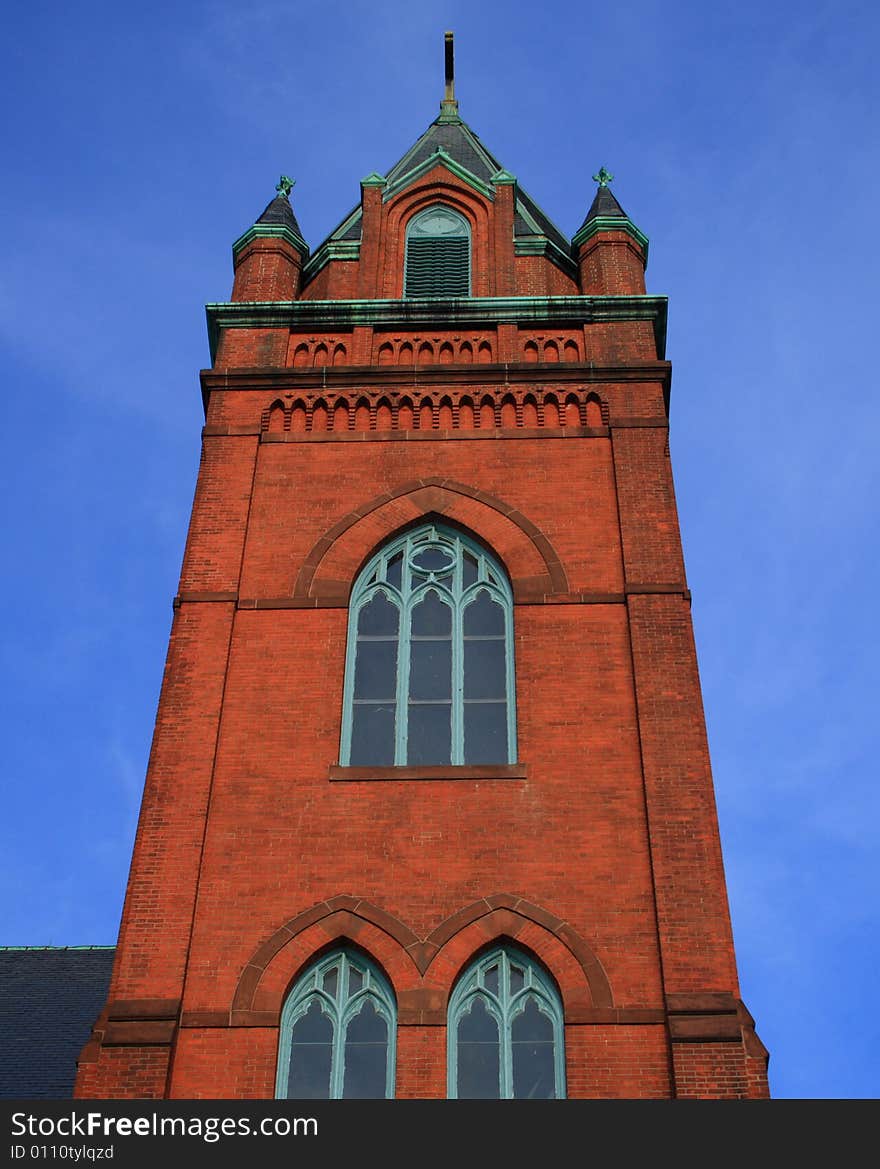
(438, 254)
(429, 673)
(505, 1031)
(338, 1033)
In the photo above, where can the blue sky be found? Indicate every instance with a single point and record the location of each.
(140, 141)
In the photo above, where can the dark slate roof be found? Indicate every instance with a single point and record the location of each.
(604, 205)
(459, 141)
(545, 224)
(49, 999)
(280, 211)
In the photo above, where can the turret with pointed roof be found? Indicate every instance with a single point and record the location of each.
(269, 256)
(610, 249)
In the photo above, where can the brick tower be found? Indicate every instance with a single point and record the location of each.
(429, 810)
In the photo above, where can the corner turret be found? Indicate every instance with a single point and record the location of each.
(610, 250)
(269, 257)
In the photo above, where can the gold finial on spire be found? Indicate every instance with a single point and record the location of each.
(449, 106)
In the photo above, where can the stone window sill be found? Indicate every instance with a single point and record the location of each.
(469, 772)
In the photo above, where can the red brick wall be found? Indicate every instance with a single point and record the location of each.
(124, 1073)
(267, 269)
(611, 263)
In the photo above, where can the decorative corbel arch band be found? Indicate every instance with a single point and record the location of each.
(422, 972)
(531, 560)
(339, 413)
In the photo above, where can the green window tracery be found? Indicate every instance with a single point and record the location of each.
(505, 1031)
(337, 1038)
(429, 670)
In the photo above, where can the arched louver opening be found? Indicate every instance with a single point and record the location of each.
(429, 676)
(438, 255)
(505, 1031)
(338, 1033)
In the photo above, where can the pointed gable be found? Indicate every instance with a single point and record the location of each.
(450, 142)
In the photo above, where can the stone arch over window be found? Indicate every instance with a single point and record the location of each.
(505, 1031)
(411, 962)
(429, 677)
(531, 560)
(560, 949)
(437, 259)
(338, 1032)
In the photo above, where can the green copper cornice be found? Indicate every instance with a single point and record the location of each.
(374, 179)
(610, 223)
(331, 249)
(467, 312)
(438, 158)
(268, 231)
(503, 177)
(540, 245)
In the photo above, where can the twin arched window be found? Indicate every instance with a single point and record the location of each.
(505, 1032)
(338, 1033)
(438, 254)
(429, 673)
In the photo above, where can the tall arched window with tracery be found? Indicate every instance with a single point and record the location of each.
(429, 676)
(505, 1031)
(438, 254)
(337, 1038)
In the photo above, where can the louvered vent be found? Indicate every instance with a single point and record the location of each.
(437, 267)
(438, 250)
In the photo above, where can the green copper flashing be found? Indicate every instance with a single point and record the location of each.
(540, 245)
(438, 158)
(331, 249)
(268, 231)
(503, 177)
(341, 232)
(522, 210)
(374, 180)
(448, 113)
(7, 949)
(611, 223)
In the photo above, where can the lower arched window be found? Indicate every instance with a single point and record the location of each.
(505, 1031)
(338, 1033)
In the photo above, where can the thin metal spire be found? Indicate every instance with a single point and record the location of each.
(449, 94)
(449, 106)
